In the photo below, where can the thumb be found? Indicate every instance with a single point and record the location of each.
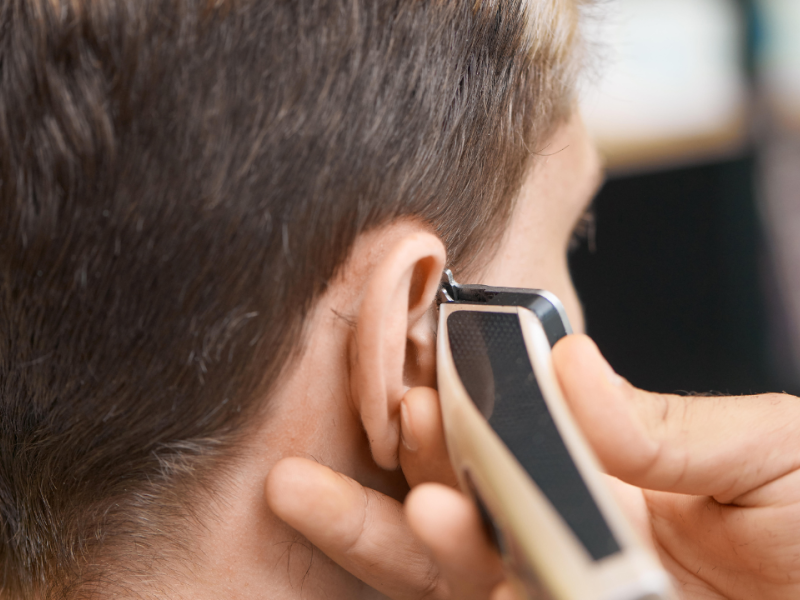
(712, 446)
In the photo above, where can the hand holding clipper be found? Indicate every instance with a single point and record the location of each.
(518, 452)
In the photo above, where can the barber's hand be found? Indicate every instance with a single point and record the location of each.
(725, 517)
(726, 514)
(371, 536)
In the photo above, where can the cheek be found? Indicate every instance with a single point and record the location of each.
(533, 252)
(540, 266)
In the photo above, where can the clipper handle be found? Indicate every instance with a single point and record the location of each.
(517, 450)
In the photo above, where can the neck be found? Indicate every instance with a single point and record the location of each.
(248, 552)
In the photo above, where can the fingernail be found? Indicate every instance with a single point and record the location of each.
(406, 432)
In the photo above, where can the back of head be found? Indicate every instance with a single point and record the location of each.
(179, 181)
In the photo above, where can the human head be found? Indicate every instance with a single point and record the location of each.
(182, 180)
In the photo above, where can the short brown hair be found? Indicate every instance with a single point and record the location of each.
(179, 180)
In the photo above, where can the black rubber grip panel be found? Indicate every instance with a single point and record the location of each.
(533, 300)
(492, 361)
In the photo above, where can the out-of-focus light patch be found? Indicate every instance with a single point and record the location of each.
(778, 54)
(779, 57)
(671, 85)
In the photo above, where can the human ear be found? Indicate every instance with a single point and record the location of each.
(394, 341)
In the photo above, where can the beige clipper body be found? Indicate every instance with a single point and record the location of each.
(518, 452)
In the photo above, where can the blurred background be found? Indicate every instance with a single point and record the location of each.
(691, 277)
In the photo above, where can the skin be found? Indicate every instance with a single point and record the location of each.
(319, 509)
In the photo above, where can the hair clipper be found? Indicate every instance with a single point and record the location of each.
(517, 451)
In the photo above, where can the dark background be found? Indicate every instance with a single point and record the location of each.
(674, 291)
(679, 291)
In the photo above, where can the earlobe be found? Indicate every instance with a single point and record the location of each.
(395, 336)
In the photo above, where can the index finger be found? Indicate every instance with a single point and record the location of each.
(362, 530)
(714, 446)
